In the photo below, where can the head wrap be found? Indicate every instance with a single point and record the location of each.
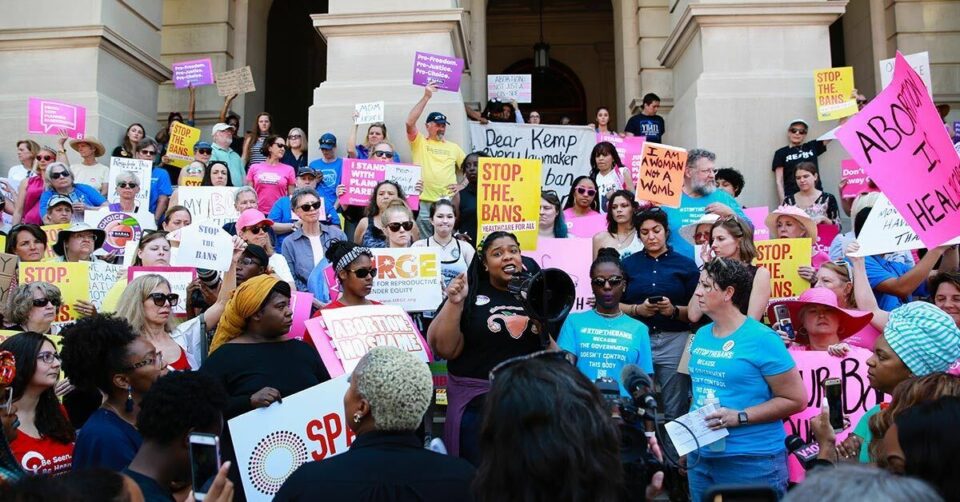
(924, 337)
(245, 302)
(348, 258)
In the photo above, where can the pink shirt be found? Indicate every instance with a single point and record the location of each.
(270, 182)
(31, 201)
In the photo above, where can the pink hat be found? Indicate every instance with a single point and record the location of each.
(252, 217)
(851, 321)
(793, 211)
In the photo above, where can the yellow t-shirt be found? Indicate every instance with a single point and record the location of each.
(438, 161)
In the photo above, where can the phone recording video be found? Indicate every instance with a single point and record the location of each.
(204, 462)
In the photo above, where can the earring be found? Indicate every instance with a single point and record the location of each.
(128, 406)
(356, 418)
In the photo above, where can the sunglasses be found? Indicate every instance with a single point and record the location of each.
(59, 174)
(794, 130)
(614, 281)
(311, 207)
(48, 357)
(124, 184)
(589, 192)
(395, 227)
(247, 261)
(43, 302)
(159, 299)
(294, 136)
(257, 229)
(362, 273)
(154, 358)
(558, 355)
(45, 157)
(205, 151)
(383, 154)
(280, 145)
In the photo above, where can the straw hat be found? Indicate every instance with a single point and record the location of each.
(851, 321)
(98, 148)
(795, 212)
(687, 231)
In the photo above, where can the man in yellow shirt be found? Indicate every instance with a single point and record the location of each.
(438, 159)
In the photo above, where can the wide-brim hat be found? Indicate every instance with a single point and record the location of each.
(851, 321)
(687, 231)
(795, 212)
(98, 149)
(64, 235)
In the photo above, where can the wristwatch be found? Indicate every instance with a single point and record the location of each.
(742, 418)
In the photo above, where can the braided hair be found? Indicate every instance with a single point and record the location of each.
(607, 255)
(338, 249)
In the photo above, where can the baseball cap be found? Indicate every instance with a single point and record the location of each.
(252, 217)
(201, 144)
(59, 199)
(437, 117)
(220, 126)
(328, 141)
(798, 121)
(307, 170)
(257, 252)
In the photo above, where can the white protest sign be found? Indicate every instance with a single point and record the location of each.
(367, 113)
(563, 150)
(407, 176)
(408, 277)
(140, 168)
(696, 422)
(920, 62)
(204, 246)
(179, 278)
(236, 81)
(103, 276)
(270, 443)
(885, 231)
(212, 205)
(831, 134)
(510, 88)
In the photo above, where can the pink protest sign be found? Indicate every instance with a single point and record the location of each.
(445, 71)
(300, 304)
(573, 255)
(902, 145)
(758, 216)
(360, 177)
(47, 116)
(858, 396)
(857, 181)
(826, 232)
(585, 226)
(630, 150)
(197, 72)
(330, 275)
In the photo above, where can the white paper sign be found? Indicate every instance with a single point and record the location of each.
(831, 134)
(408, 277)
(885, 231)
(407, 176)
(510, 88)
(212, 205)
(270, 443)
(920, 62)
(368, 113)
(103, 276)
(141, 168)
(179, 278)
(702, 434)
(204, 246)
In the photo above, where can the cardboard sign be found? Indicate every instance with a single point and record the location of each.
(630, 150)
(270, 443)
(661, 174)
(563, 150)
(833, 91)
(858, 396)
(920, 62)
(197, 72)
(53, 232)
(204, 246)
(142, 169)
(300, 304)
(857, 181)
(72, 278)
(103, 276)
(508, 199)
(8, 270)
(517, 88)
(211, 205)
(782, 257)
(360, 177)
(342, 336)
(180, 146)
(179, 278)
(121, 228)
(573, 255)
(900, 141)
(48, 116)
(885, 231)
(758, 216)
(586, 226)
(445, 71)
(367, 113)
(237, 81)
(408, 277)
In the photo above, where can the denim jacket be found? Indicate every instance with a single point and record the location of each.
(299, 254)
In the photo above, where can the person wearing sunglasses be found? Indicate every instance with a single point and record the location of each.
(271, 179)
(798, 150)
(45, 438)
(376, 133)
(355, 267)
(252, 263)
(32, 307)
(552, 224)
(160, 187)
(61, 181)
(128, 187)
(28, 242)
(296, 154)
(582, 199)
(397, 221)
(27, 207)
(252, 227)
(147, 304)
(304, 248)
(621, 231)
(281, 213)
(370, 231)
(89, 171)
(202, 151)
(104, 357)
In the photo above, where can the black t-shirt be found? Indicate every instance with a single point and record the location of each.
(652, 127)
(496, 330)
(152, 491)
(789, 156)
(468, 213)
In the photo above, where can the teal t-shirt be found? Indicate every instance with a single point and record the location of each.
(734, 367)
(863, 430)
(604, 345)
(690, 210)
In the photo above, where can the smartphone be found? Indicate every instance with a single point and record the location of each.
(655, 299)
(782, 314)
(204, 462)
(833, 390)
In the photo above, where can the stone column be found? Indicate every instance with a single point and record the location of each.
(653, 27)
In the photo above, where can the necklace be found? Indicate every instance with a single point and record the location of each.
(622, 241)
(608, 316)
(442, 246)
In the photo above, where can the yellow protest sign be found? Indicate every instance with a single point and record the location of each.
(73, 279)
(783, 258)
(833, 91)
(660, 178)
(180, 146)
(508, 199)
(52, 232)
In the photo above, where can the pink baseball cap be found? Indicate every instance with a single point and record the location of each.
(252, 217)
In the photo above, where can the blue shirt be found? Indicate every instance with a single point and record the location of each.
(281, 213)
(332, 171)
(604, 345)
(671, 275)
(299, 253)
(880, 269)
(81, 193)
(107, 441)
(690, 210)
(159, 185)
(734, 367)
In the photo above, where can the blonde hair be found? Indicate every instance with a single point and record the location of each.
(397, 385)
(841, 270)
(130, 306)
(395, 206)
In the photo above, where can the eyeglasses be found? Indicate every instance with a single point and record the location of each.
(59, 174)
(794, 130)
(395, 227)
(589, 192)
(45, 157)
(383, 154)
(247, 261)
(205, 151)
(153, 358)
(614, 281)
(256, 229)
(124, 184)
(362, 273)
(294, 136)
(43, 302)
(48, 357)
(559, 355)
(311, 206)
(159, 299)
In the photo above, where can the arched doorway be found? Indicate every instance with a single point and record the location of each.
(296, 62)
(557, 92)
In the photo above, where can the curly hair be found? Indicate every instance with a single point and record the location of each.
(907, 394)
(546, 436)
(178, 403)
(21, 301)
(49, 418)
(397, 385)
(727, 273)
(732, 176)
(94, 349)
(338, 249)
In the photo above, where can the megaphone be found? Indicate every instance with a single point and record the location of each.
(546, 296)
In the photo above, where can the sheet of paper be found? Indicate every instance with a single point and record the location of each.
(702, 434)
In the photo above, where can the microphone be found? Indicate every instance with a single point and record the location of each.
(639, 385)
(805, 453)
